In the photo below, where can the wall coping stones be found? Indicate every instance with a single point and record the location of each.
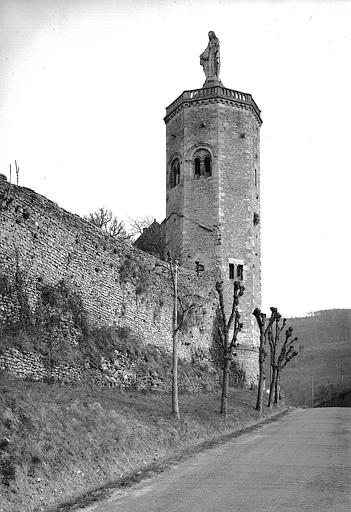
(217, 93)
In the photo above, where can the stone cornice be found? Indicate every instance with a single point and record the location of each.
(215, 94)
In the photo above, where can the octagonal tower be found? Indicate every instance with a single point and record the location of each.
(213, 196)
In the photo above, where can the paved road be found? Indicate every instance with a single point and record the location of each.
(302, 462)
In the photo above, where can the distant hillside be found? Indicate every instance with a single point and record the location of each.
(325, 353)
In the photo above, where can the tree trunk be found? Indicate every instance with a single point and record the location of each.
(272, 388)
(260, 390)
(225, 385)
(175, 404)
(276, 389)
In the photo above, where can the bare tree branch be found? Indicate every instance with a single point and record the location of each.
(104, 219)
(150, 236)
(228, 345)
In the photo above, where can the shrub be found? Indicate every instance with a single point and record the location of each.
(7, 469)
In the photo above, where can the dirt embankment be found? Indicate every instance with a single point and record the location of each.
(60, 442)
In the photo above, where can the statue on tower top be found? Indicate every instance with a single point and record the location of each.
(210, 61)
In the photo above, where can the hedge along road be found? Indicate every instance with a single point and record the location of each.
(301, 462)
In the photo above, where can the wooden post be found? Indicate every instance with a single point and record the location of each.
(17, 172)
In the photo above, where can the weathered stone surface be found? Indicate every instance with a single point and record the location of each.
(214, 220)
(43, 245)
(211, 220)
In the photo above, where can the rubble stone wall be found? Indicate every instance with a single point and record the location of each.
(42, 245)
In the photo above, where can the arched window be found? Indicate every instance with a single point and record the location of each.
(207, 165)
(197, 168)
(174, 176)
(202, 164)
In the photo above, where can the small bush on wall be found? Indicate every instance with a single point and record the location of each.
(134, 270)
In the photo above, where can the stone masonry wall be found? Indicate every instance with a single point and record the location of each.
(221, 213)
(239, 201)
(197, 200)
(43, 245)
(200, 196)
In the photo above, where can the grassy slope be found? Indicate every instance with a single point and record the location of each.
(325, 341)
(57, 442)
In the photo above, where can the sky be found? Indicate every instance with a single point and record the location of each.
(83, 89)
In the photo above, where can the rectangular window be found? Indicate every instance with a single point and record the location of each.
(231, 270)
(240, 272)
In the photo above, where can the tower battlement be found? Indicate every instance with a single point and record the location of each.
(218, 93)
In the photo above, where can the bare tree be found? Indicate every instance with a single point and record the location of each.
(180, 313)
(104, 219)
(264, 329)
(177, 323)
(287, 353)
(281, 353)
(228, 333)
(138, 225)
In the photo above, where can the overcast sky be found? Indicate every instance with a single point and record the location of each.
(83, 90)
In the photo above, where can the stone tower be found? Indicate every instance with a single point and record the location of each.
(213, 191)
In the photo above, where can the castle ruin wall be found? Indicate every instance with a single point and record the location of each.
(119, 285)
